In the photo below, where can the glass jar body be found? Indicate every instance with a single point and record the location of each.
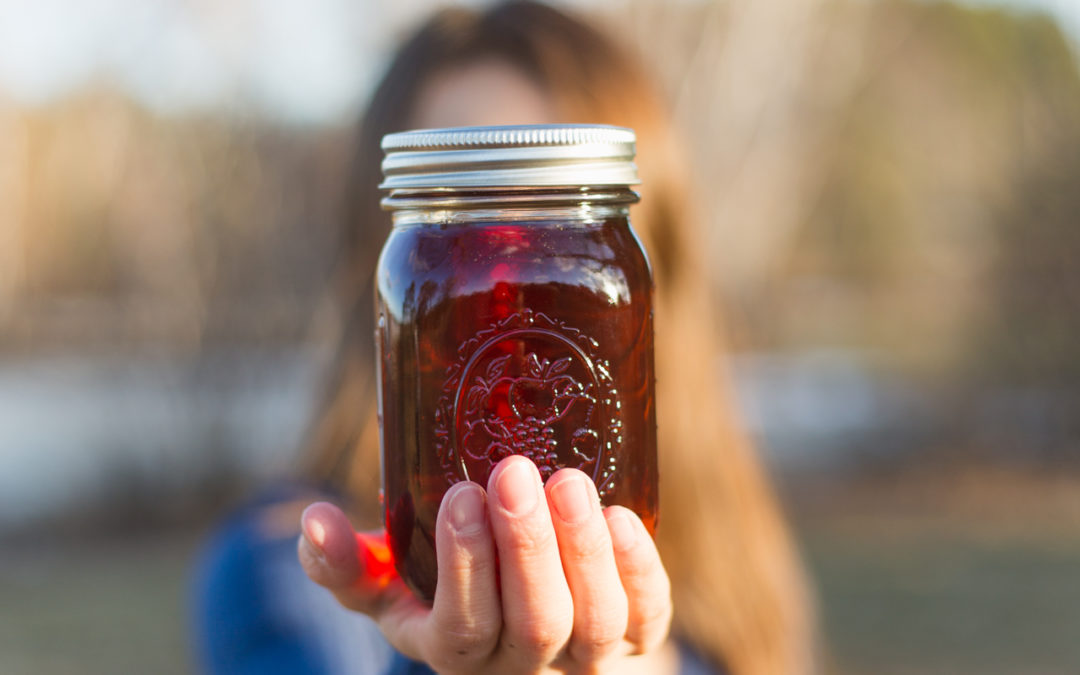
(511, 330)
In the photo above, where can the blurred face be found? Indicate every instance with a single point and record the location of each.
(484, 92)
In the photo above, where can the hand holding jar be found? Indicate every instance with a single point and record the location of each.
(531, 578)
(515, 352)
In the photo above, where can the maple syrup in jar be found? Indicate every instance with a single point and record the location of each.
(514, 316)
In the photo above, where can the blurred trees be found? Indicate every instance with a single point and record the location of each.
(955, 114)
(122, 228)
(896, 180)
(1024, 364)
(949, 220)
(893, 178)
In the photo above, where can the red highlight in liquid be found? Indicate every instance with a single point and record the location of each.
(502, 338)
(376, 559)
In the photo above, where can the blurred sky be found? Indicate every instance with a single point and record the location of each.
(303, 61)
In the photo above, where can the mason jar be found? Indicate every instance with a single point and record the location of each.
(514, 316)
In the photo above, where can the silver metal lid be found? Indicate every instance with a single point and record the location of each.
(510, 156)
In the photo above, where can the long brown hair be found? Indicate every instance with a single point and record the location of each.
(739, 591)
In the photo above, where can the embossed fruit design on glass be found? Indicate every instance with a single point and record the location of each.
(514, 316)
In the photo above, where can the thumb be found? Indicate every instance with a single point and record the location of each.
(355, 566)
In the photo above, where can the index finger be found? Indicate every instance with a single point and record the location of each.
(538, 610)
(465, 620)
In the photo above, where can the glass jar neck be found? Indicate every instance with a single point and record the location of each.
(457, 205)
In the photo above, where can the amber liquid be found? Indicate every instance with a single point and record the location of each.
(499, 338)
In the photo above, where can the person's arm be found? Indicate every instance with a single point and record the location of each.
(233, 630)
(531, 578)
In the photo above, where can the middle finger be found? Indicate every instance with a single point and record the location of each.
(537, 607)
(600, 604)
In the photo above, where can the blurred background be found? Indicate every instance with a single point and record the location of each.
(894, 213)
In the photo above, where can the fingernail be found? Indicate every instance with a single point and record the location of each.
(623, 532)
(518, 488)
(572, 500)
(314, 532)
(467, 510)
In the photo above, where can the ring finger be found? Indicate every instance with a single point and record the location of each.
(600, 604)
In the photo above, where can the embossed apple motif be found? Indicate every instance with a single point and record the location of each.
(544, 392)
(519, 415)
(529, 385)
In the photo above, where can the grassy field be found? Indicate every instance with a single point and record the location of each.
(896, 597)
(111, 607)
(931, 603)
